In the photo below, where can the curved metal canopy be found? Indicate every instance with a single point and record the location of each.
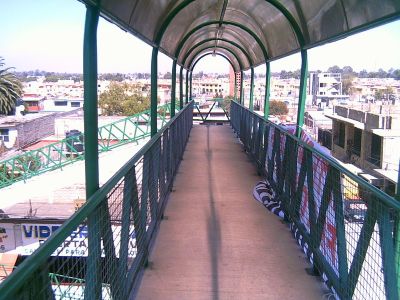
(282, 27)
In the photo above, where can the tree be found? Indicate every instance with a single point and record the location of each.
(278, 108)
(335, 69)
(10, 89)
(226, 104)
(383, 94)
(347, 85)
(123, 100)
(168, 75)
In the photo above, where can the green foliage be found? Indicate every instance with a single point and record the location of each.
(226, 104)
(113, 77)
(383, 94)
(167, 75)
(29, 162)
(123, 99)
(290, 74)
(278, 108)
(52, 78)
(21, 166)
(10, 89)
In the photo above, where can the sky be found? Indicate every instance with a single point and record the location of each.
(48, 35)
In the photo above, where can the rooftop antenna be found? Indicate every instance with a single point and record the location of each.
(31, 212)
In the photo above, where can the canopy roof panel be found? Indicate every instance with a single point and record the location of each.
(265, 29)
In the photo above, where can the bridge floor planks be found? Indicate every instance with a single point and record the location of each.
(216, 241)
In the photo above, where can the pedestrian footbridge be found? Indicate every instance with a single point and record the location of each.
(179, 219)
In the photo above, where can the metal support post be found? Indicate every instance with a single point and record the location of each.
(267, 90)
(235, 88)
(93, 279)
(173, 89)
(181, 88)
(397, 233)
(241, 101)
(302, 92)
(153, 92)
(190, 85)
(187, 86)
(251, 104)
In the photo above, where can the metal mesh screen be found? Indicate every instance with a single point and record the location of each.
(100, 250)
(348, 228)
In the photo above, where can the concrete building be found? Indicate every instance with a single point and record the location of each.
(368, 136)
(17, 132)
(62, 104)
(325, 87)
(365, 89)
(33, 102)
(211, 87)
(232, 82)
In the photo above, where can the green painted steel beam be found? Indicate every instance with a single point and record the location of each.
(241, 87)
(241, 26)
(212, 47)
(292, 21)
(217, 39)
(173, 88)
(251, 103)
(207, 54)
(90, 103)
(235, 86)
(181, 88)
(267, 89)
(153, 91)
(190, 84)
(93, 280)
(302, 93)
(187, 86)
(396, 233)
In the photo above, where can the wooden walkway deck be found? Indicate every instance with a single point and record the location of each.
(216, 241)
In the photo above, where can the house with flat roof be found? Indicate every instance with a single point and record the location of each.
(368, 136)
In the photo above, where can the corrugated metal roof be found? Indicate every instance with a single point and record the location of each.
(266, 29)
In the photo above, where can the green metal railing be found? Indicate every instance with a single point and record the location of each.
(127, 210)
(348, 228)
(70, 150)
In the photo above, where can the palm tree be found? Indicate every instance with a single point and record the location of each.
(10, 89)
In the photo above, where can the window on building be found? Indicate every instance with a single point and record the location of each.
(75, 104)
(339, 134)
(60, 103)
(357, 141)
(4, 135)
(376, 146)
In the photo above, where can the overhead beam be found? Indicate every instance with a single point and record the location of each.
(219, 54)
(209, 23)
(219, 39)
(275, 3)
(219, 47)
